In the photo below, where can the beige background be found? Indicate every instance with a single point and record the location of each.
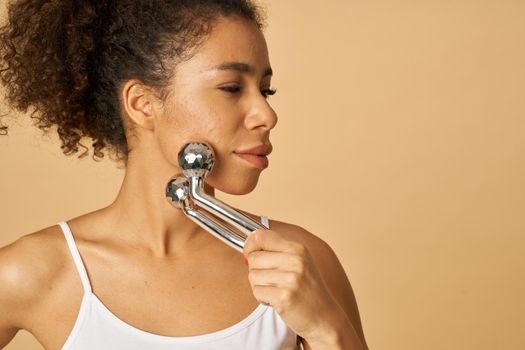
(400, 142)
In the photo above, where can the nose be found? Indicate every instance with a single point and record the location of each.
(260, 114)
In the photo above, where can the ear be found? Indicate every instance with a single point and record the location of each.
(138, 101)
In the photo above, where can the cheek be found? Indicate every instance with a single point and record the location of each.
(186, 122)
(229, 175)
(195, 120)
(222, 128)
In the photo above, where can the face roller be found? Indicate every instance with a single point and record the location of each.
(196, 160)
(177, 192)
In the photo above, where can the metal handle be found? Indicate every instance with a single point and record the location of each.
(218, 208)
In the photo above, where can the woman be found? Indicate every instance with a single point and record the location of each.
(142, 78)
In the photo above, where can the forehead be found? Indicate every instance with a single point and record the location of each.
(231, 40)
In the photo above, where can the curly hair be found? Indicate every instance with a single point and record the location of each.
(65, 60)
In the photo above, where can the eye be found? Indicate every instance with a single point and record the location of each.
(233, 89)
(268, 92)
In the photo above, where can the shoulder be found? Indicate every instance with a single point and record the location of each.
(319, 249)
(28, 268)
(329, 266)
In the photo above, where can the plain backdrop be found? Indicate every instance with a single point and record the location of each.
(400, 142)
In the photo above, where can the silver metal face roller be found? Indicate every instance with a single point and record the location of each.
(196, 160)
(177, 192)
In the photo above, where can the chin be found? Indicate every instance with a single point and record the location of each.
(237, 191)
(235, 185)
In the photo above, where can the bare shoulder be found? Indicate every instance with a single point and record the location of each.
(323, 255)
(330, 268)
(316, 245)
(28, 268)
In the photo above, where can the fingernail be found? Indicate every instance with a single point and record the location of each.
(245, 260)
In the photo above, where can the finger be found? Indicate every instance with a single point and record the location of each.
(268, 240)
(274, 260)
(272, 296)
(277, 278)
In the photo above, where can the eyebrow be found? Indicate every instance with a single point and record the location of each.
(242, 68)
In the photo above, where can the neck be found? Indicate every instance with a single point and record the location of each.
(144, 216)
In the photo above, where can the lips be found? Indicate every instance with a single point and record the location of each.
(256, 155)
(260, 162)
(261, 150)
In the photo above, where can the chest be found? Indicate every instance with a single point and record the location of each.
(184, 300)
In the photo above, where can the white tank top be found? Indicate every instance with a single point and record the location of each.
(96, 327)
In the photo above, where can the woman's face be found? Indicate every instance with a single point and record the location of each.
(220, 96)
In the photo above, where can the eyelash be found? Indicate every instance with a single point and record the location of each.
(236, 89)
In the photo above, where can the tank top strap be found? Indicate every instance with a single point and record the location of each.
(265, 221)
(76, 256)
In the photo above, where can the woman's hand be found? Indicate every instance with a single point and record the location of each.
(283, 274)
